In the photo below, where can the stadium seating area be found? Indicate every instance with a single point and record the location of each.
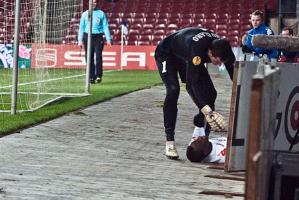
(7, 15)
(27, 8)
(151, 20)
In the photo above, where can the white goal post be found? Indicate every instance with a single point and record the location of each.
(47, 30)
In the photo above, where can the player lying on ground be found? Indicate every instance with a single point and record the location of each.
(203, 149)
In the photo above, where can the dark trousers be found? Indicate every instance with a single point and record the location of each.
(169, 72)
(97, 46)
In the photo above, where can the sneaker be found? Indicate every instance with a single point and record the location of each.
(98, 80)
(92, 81)
(170, 150)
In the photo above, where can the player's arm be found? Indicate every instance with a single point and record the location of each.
(202, 95)
(82, 26)
(106, 29)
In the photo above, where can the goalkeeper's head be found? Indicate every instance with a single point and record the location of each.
(222, 49)
(222, 52)
(199, 149)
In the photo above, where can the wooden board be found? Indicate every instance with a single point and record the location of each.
(238, 122)
(260, 139)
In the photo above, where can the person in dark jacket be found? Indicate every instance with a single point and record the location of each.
(286, 56)
(184, 54)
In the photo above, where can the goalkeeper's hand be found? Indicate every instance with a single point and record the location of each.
(215, 120)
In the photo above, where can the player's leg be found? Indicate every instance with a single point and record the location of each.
(92, 65)
(99, 58)
(170, 79)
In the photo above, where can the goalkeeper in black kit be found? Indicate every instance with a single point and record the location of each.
(183, 55)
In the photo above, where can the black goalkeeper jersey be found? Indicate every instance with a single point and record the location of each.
(189, 44)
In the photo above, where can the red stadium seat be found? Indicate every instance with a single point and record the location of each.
(221, 27)
(149, 20)
(187, 15)
(163, 15)
(145, 40)
(232, 33)
(140, 15)
(172, 26)
(133, 31)
(136, 26)
(174, 20)
(221, 33)
(144, 43)
(138, 20)
(148, 26)
(113, 26)
(132, 42)
(127, 15)
(171, 31)
(159, 32)
(146, 31)
(234, 41)
(157, 39)
(161, 21)
(187, 21)
(133, 39)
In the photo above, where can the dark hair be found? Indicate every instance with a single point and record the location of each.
(222, 49)
(258, 13)
(291, 32)
(198, 150)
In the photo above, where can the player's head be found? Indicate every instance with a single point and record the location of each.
(199, 149)
(256, 18)
(95, 3)
(287, 31)
(221, 50)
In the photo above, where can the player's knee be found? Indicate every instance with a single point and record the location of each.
(173, 91)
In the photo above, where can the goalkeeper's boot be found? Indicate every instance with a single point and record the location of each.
(170, 150)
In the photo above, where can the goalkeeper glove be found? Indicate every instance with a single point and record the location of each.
(215, 120)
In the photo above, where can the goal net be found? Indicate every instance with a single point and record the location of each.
(50, 62)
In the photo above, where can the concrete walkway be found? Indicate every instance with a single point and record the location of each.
(113, 150)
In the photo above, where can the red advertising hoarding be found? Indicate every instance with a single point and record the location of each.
(70, 56)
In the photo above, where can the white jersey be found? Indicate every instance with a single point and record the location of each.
(218, 152)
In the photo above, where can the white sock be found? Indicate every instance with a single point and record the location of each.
(198, 131)
(169, 143)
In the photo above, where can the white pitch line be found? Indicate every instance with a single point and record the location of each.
(54, 79)
(43, 81)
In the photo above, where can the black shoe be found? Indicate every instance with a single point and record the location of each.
(99, 80)
(92, 81)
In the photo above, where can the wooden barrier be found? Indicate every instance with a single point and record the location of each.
(238, 120)
(287, 112)
(262, 118)
(276, 42)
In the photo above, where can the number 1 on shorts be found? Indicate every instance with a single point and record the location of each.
(164, 66)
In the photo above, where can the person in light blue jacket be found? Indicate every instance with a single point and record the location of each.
(100, 27)
(259, 28)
